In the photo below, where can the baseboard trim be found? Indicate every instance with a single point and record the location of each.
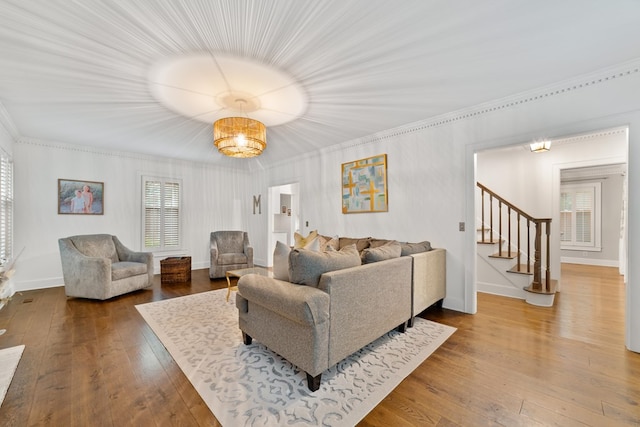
(591, 261)
(505, 291)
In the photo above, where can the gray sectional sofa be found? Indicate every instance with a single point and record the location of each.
(337, 297)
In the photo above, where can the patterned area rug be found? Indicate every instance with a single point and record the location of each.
(251, 385)
(9, 358)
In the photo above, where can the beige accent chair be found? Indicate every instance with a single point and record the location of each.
(230, 250)
(99, 266)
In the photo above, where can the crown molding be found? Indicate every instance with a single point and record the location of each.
(575, 84)
(578, 83)
(120, 154)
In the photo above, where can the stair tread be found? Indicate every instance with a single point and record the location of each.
(523, 269)
(505, 255)
(487, 242)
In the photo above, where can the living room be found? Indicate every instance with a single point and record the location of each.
(431, 180)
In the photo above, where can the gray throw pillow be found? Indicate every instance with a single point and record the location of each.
(414, 248)
(389, 250)
(306, 267)
(281, 258)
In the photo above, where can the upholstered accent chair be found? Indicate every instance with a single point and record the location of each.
(99, 266)
(230, 250)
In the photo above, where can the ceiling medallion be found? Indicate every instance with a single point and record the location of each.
(209, 88)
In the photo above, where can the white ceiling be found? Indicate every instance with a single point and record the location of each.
(77, 72)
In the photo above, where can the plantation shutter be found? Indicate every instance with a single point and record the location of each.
(171, 214)
(584, 216)
(6, 206)
(161, 213)
(579, 213)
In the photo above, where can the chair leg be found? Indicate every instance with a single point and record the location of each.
(246, 338)
(411, 322)
(314, 382)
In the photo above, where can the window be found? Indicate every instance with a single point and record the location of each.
(161, 213)
(6, 206)
(580, 216)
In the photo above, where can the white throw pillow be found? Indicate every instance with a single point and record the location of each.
(281, 261)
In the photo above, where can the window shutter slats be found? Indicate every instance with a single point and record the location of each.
(6, 206)
(161, 201)
(577, 215)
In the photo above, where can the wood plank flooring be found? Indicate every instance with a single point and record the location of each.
(91, 363)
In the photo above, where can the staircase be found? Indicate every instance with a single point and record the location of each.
(508, 263)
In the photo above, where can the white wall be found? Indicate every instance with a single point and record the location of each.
(6, 141)
(213, 199)
(431, 170)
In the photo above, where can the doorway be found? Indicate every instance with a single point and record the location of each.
(535, 181)
(284, 216)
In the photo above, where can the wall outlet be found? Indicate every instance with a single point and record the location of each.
(306, 224)
(461, 226)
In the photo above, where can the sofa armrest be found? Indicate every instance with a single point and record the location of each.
(213, 247)
(429, 278)
(83, 274)
(302, 304)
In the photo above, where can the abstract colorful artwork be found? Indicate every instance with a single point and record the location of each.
(364, 185)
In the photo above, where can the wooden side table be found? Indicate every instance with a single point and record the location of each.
(175, 269)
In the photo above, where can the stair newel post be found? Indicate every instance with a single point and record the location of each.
(519, 251)
(548, 272)
(500, 227)
(537, 268)
(509, 231)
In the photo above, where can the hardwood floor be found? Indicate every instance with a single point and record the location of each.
(91, 363)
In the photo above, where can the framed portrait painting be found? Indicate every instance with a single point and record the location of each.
(364, 185)
(80, 197)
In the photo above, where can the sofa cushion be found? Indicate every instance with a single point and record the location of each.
(122, 270)
(281, 261)
(361, 243)
(389, 250)
(232, 258)
(96, 246)
(300, 241)
(328, 242)
(414, 248)
(229, 241)
(281, 258)
(375, 243)
(306, 266)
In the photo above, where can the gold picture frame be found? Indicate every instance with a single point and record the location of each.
(364, 185)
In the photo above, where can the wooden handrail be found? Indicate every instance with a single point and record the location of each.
(538, 285)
